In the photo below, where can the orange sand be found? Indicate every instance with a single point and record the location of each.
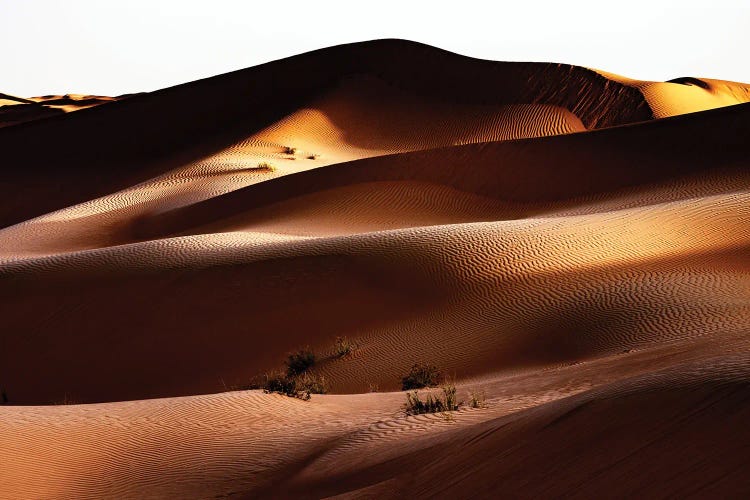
(568, 241)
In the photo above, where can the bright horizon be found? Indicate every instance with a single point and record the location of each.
(88, 47)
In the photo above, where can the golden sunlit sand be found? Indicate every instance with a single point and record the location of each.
(572, 244)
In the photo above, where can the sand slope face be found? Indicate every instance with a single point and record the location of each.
(530, 229)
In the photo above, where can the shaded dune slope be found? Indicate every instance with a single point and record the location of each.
(590, 442)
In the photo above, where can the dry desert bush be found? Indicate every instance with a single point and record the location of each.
(432, 403)
(265, 166)
(421, 375)
(342, 346)
(299, 362)
(301, 386)
(477, 399)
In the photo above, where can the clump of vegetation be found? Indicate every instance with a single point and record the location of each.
(300, 387)
(421, 375)
(296, 381)
(477, 399)
(342, 346)
(265, 166)
(281, 384)
(432, 403)
(312, 157)
(299, 362)
(371, 387)
(312, 384)
(290, 151)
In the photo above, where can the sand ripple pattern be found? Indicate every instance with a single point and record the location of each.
(592, 279)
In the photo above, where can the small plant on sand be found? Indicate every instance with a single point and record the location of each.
(299, 362)
(432, 403)
(290, 151)
(371, 387)
(312, 384)
(477, 399)
(342, 346)
(300, 387)
(312, 157)
(296, 381)
(281, 384)
(265, 166)
(421, 375)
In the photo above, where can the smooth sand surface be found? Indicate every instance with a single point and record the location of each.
(571, 243)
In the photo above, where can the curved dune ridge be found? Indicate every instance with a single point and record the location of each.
(573, 244)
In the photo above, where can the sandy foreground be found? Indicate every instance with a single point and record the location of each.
(572, 243)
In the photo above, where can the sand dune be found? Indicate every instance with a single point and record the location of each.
(15, 110)
(227, 112)
(573, 243)
(686, 94)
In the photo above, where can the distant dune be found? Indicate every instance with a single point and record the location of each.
(15, 110)
(572, 243)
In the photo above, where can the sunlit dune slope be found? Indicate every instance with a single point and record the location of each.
(686, 94)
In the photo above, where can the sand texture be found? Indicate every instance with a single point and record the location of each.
(571, 243)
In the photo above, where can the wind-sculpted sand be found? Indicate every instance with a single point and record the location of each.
(573, 244)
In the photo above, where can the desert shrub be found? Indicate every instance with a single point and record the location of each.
(342, 346)
(281, 384)
(296, 382)
(432, 403)
(476, 399)
(312, 384)
(449, 396)
(299, 362)
(421, 375)
(265, 166)
(312, 157)
(290, 151)
(295, 386)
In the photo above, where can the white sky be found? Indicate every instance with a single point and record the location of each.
(107, 47)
